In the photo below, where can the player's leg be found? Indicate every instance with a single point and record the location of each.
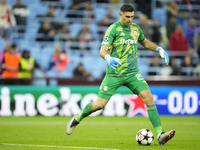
(108, 86)
(162, 137)
(91, 107)
(107, 89)
(138, 85)
(147, 97)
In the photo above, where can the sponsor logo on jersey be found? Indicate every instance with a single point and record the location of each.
(129, 41)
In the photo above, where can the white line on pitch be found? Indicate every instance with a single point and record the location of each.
(54, 146)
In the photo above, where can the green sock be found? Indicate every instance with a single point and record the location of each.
(154, 118)
(87, 110)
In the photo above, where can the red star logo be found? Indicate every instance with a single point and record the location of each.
(141, 137)
(136, 105)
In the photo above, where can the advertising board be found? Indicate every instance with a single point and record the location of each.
(46, 101)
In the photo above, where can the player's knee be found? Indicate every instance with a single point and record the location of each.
(147, 97)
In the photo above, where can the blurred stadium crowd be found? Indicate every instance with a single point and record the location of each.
(62, 38)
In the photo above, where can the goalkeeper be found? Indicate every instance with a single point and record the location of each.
(121, 40)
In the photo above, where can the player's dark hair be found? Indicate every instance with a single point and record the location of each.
(126, 8)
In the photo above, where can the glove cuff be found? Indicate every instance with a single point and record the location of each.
(106, 57)
(158, 49)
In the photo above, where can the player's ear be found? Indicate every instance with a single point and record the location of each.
(120, 14)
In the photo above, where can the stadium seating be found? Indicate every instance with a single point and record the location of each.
(43, 51)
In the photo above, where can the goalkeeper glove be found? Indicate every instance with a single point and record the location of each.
(163, 54)
(112, 61)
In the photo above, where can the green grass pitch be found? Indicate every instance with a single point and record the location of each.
(94, 133)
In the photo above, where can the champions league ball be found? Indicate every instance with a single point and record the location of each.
(144, 137)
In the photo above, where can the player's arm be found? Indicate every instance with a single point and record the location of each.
(148, 44)
(112, 61)
(151, 46)
(107, 41)
(103, 51)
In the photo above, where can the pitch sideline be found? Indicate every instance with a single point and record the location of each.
(54, 146)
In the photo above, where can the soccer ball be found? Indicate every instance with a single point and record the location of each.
(144, 137)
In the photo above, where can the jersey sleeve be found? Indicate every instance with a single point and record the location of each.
(109, 36)
(141, 35)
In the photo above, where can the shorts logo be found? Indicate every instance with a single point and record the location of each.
(135, 32)
(105, 88)
(106, 39)
(139, 77)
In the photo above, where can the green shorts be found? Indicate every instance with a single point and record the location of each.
(135, 82)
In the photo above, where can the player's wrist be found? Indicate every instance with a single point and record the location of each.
(107, 57)
(158, 49)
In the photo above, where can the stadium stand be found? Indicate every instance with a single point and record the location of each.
(42, 51)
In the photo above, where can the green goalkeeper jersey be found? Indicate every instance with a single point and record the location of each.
(122, 42)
